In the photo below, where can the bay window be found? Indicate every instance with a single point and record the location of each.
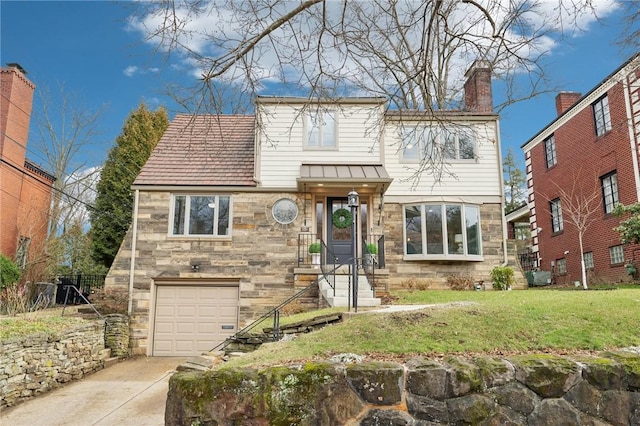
(442, 231)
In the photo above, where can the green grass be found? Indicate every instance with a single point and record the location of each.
(35, 322)
(505, 322)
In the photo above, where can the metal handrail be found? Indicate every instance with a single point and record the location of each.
(66, 298)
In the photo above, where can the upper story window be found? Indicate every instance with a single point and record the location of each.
(442, 231)
(438, 143)
(556, 215)
(550, 151)
(610, 196)
(321, 130)
(201, 215)
(601, 115)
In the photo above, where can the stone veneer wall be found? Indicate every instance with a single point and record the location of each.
(38, 363)
(261, 255)
(523, 390)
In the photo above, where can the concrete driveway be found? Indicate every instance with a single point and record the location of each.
(130, 392)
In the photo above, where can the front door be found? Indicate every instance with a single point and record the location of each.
(339, 230)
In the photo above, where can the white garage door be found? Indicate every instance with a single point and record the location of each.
(193, 319)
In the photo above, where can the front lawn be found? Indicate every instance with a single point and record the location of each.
(490, 322)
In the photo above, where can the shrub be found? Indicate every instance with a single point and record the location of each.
(416, 284)
(502, 277)
(372, 248)
(314, 248)
(9, 272)
(459, 282)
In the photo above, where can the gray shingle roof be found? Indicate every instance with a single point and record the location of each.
(203, 150)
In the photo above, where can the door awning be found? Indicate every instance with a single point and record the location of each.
(344, 175)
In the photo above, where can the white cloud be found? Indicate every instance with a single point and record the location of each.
(130, 71)
(221, 28)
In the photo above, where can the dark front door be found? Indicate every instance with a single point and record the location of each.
(339, 230)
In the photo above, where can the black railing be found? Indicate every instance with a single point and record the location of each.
(264, 321)
(313, 251)
(85, 284)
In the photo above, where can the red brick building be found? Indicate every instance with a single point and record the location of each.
(585, 162)
(25, 189)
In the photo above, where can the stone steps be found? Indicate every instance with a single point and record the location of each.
(341, 296)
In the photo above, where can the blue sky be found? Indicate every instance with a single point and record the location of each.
(85, 45)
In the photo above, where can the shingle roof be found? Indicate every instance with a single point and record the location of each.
(203, 150)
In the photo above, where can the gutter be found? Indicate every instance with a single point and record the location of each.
(632, 137)
(505, 256)
(134, 237)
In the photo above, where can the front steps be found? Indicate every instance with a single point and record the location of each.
(341, 297)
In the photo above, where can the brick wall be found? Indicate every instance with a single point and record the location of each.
(583, 158)
(25, 195)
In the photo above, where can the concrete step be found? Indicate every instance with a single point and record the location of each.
(341, 295)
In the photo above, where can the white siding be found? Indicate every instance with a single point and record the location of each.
(282, 141)
(462, 178)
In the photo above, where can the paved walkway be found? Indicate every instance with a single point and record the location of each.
(131, 392)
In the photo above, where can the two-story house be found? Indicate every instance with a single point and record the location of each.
(25, 188)
(227, 207)
(578, 168)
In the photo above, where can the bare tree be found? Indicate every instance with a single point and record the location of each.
(413, 53)
(63, 129)
(581, 204)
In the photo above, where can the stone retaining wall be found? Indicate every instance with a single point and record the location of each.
(523, 390)
(38, 363)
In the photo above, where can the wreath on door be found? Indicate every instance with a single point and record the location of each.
(342, 218)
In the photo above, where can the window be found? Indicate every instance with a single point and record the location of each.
(438, 143)
(601, 115)
(442, 230)
(588, 260)
(610, 191)
(617, 255)
(201, 215)
(556, 215)
(562, 266)
(321, 129)
(550, 151)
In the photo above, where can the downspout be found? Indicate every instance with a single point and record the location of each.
(505, 256)
(134, 235)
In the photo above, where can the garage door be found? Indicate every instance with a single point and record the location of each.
(190, 320)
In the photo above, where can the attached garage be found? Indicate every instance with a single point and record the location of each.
(192, 318)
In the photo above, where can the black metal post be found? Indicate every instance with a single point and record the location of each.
(354, 251)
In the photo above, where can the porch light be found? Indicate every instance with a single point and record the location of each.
(352, 199)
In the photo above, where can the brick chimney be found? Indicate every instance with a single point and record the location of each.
(15, 112)
(565, 100)
(477, 89)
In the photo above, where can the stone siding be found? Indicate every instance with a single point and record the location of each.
(38, 363)
(524, 390)
(261, 255)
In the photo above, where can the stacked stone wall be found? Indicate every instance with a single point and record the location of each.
(524, 390)
(37, 363)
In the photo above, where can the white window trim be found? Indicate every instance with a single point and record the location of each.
(456, 130)
(610, 181)
(444, 256)
(560, 219)
(186, 225)
(605, 111)
(550, 141)
(306, 130)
